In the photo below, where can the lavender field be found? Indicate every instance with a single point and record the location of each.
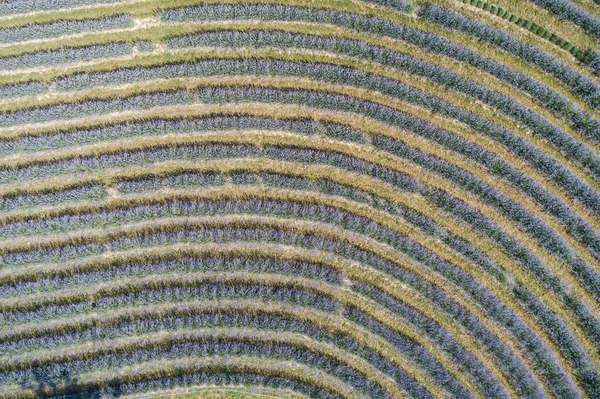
(236, 199)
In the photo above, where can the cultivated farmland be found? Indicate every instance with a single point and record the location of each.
(300, 199)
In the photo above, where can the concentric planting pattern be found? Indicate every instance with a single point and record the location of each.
(300, 199)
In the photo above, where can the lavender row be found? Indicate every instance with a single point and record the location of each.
(64, 378)
(180, 208)
(64, 56)
(157, 127)
(74, 195)
(128, 159)
(51, 255)
(61, 28)
(26, 6)
(22, 90)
